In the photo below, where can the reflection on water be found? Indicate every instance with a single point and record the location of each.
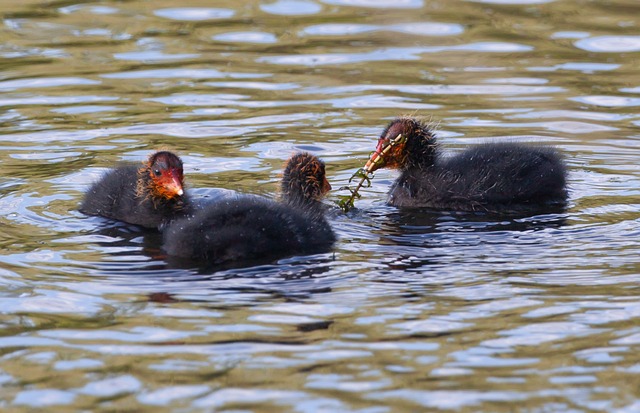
(413, 310)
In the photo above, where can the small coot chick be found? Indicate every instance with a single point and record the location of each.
(491, 177)
(254, 229)
(149, 196)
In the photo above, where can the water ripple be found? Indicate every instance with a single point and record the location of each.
(194, 13)
(180, 73)
(446, 399)
(45, 82)
(43, 398)
(610, 44)
(418, 28)
(246, 37)
(608, 101)
(390, 54)
(154, 56)
(291, 7)
(383, 4)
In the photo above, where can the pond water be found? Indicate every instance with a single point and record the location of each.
(413, 311)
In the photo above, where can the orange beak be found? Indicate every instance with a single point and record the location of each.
(172, 183)
(376, 161)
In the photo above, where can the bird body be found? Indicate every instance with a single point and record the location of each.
(249, 228)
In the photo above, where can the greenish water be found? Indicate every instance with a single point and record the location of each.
(412, 311)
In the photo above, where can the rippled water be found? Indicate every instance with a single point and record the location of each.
(413, 311)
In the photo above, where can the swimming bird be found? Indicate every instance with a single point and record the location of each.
(148, 195)
(491, 177)
(249, 228)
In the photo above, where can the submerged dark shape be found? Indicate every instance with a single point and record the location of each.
(251, 228)
(491, 177)
(149, 195)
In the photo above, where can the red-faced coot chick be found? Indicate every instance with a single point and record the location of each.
(149, 196)
(252, 229)
(492, 177)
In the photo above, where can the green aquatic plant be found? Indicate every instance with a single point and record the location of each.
(346, 202)
(376, 160)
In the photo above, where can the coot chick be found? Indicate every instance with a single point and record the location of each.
(491, 177)
(149, 196)
(254, 229)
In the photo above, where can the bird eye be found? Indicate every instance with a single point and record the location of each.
(157, 172)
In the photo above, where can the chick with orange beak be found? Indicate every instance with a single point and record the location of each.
(404, 144)
(489, 177)
(161, 177)
(149, 195)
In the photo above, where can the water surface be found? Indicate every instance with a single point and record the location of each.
(412, 311)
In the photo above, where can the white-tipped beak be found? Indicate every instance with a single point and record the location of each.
(373, 163)
(175, 186)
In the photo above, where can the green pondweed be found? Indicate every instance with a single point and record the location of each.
(376, 160)
(346, 202)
